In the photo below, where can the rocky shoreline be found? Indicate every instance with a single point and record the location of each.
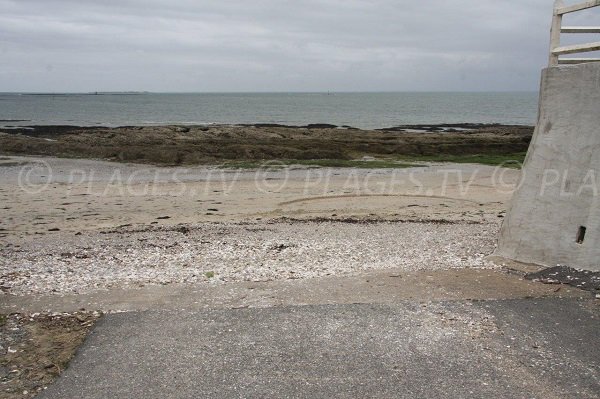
(210, 144)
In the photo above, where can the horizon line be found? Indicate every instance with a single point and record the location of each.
(105, 92)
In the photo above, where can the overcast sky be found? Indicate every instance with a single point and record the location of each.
(274, 45)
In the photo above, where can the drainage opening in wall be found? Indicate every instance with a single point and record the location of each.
(581, 234)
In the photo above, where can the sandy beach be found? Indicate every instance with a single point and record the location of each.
(101, 222)
(108, 220)
(83, 240)
(75, 226)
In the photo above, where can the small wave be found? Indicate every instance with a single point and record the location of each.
(15, 120)
(162, 123)
(9, 127)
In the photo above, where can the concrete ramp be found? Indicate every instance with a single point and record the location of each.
(523, 348)
(554, 217)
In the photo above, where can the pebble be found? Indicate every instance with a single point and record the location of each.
(259, 251)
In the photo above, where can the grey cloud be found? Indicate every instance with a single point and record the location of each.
(273, 45)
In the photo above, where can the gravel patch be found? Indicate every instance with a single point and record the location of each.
(215, 253)
(36, 348)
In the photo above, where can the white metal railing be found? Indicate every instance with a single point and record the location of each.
(556, 50)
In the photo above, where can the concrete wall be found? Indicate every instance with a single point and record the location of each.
(561, 176)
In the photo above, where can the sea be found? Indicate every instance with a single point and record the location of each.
(360, 110)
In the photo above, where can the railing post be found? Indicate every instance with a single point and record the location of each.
(555, 32)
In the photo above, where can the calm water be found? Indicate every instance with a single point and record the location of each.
(363, 110)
